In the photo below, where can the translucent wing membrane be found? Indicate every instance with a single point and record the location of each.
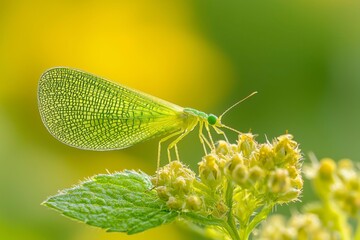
(88, 112)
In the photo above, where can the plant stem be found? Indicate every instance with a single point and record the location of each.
(262, 215)
(338, 218)
(231, 226)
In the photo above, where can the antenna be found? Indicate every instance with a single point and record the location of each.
(232, 129)
(237, 104)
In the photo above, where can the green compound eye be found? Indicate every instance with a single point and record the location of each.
(212, 119)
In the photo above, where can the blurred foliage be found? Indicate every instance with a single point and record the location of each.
(334, 215)
(301, 56)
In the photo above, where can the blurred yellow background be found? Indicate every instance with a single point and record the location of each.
(303, 57)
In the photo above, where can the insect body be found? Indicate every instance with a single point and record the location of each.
(89, 112)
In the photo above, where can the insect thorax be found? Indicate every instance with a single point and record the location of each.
(208, 118)
(196, 113)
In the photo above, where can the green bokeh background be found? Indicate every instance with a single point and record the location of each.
(303, 57)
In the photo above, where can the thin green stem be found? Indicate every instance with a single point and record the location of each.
(262, 215)
(202, 220)
(339, 219)
(232, 229)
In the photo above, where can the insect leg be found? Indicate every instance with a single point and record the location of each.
(173, 144)
(163, 140)
(203, 139)
(185, 132)
(219, 131)
(177, 152)
(209, 133)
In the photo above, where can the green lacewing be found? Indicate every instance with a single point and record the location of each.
(89, 112)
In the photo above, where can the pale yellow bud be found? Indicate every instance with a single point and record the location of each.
(180, 184)
(266, 156)
(327, 169)
(163, 192)
(174, 203)
(209, 171)
(240, 174)
(279, 181)
(247, 144)
(222, 148)
(193, 203)
(256, 174)
(289, 196)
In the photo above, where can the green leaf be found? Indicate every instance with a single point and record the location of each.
(119, 202)
(201, 219)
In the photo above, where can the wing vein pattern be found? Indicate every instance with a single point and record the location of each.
(89, 112)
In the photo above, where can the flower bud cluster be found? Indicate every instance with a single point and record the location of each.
(299, 226)
(347, 194)
(337, 182)
(338, 186)
(174, 184)
(247, 174)
(272, 169)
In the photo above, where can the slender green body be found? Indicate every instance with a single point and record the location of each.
(89, 112)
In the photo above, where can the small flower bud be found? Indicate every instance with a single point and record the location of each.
(255, 174)
(345, 164)
(234, 148)
(220, 209)
(247, 144)
(193, 203)
(297, 182)
(279, 181)
(174, 203)
(175, 165)
(209, 171)
(348, 174)
(327, 169)
(180, 184)
(293, 171)
(351, 204)
(240, 174)
(222, 148)
(163, 192)
(163, 176)
(266, 156)
(291, 195)
(286, 151)
(235, 160)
